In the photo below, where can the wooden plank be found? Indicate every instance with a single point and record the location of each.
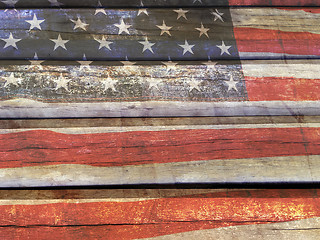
(16, 124)
(174, 150)
(164, 214)
(152, 3)
(225, 33)
(105, 89)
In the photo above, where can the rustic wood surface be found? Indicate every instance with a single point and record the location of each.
(160, 213)
(105, 89)
(162, 150)
(238, 103)
(269, 33)
(153, 3)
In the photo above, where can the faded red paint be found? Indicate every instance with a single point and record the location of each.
(34, 148)
(156, 217)
(282, 89)
(275, 41)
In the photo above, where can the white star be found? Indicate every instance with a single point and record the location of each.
(79, 24)
(55, 3)
(99, 9)
(104, 43)
(147, 45)
(203, 30)
(85, 63)
(36, 62)
(224, 48)
(143, 10)
(10, 3)
(109, 83)
(127, 62)
(217, 15)
(164, 28)
(35, 23)
(194, 84)
(186, 47)
(12, 80)
(11, 41)
(11, 9)
(62, 82)
(122, 27)
(231, 84)
(153, 82)
(59, 43)
(181, 13)
(210, 65)
(170, 65)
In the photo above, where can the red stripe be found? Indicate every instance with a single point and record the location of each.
(114, 232)
(275, 41)
(158, 217)
(274, 2)
(33, 148)
(282, 89)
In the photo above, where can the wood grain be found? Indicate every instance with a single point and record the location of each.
(129, 214)
(21, 108)
(278, 87)
(271, 33)
(68, 152)
(256, 32)
(167, 3)
(123, 44)
(22, 124)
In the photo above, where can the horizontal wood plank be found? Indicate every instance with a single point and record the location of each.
(152, 3)
(160, 33)
(22, 124)
(106, 89)
(164, 214)
(162, 150)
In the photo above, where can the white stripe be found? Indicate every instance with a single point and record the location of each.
(305, 229)
(276, 19)
(23, 108)
(270, 55)
(94, 130)
(279, 68)
(271, 169)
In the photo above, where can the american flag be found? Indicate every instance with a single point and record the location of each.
(184, 60)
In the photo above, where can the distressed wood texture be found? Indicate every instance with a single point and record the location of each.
(257, 33)
(266, 33)
(153, 151)
(105, 89)
(160, 214)
(155, 3)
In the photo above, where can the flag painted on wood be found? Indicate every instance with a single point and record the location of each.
(197, 52)
(159, 34)
(272, 33)
(160, 154)
(151, 3)
(208, 214)
(117, 34)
